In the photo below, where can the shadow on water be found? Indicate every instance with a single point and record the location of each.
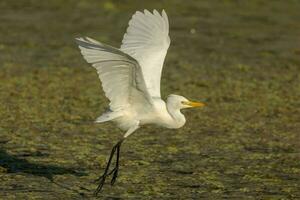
(18, 164)
(14, 164)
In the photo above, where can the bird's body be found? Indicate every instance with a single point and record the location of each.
(131, 77)
(158, 114)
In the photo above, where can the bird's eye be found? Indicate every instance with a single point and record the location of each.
(183, 102)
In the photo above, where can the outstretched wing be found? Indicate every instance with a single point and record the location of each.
(120, 74)
(147, 40)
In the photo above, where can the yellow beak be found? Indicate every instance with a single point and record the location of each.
(194, 104)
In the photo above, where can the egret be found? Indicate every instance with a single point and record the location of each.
(130, 78)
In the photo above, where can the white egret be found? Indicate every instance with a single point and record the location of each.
(130, 78)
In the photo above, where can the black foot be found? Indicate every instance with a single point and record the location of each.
(113, 172)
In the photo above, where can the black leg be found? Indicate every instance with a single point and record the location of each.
(114, 171)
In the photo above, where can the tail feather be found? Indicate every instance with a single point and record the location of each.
(108, 116)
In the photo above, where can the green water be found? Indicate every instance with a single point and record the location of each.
(242, 58)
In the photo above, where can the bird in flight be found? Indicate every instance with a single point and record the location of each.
(130, 77)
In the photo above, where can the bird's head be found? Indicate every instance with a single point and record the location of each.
(177, 101)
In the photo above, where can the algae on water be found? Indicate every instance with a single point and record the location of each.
(242, 59)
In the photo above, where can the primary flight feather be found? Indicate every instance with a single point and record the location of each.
(130, 78)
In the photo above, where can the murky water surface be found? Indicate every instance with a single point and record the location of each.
(241, 58)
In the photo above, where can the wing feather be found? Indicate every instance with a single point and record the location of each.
(147, 41)
(120, 74)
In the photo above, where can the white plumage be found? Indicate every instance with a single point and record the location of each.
(147, 40)
(131, 77)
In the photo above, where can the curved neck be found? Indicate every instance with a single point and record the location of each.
(177, 116)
